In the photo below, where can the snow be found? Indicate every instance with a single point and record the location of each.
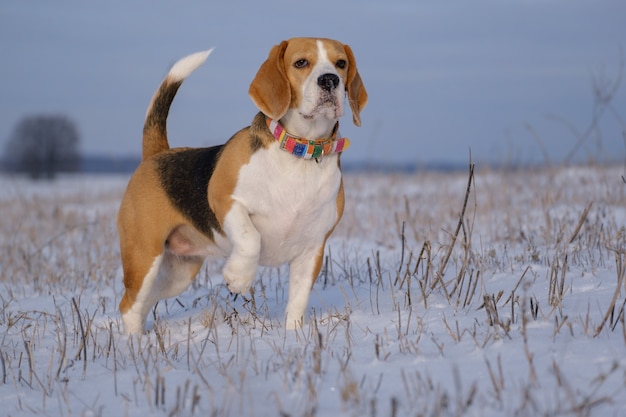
(516, 330)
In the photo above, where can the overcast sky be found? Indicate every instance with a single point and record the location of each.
(508, 80)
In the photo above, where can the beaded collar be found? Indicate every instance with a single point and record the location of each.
(304, 148)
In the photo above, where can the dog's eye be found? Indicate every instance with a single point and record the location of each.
(301, 63)
(341, 64)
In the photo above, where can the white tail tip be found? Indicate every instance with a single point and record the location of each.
(185, 66)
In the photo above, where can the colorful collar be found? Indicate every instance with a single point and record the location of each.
(304, 148)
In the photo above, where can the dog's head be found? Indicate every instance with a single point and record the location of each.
(311, 77)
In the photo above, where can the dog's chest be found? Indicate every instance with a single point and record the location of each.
(292, 202)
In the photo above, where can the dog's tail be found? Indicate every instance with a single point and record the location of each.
(155, 126)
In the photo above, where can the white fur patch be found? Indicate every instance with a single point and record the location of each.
(323, 55)
(291, 202)
(185, 66)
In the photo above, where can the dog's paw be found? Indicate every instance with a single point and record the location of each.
(133, 322)
(238, 277)
(294, 324)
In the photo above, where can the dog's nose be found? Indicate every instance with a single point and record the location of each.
(328, 82)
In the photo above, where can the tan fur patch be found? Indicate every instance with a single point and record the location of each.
(236, 152)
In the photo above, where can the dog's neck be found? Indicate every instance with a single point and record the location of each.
(312, 128)
(307, 148)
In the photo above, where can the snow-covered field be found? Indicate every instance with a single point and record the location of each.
(516, 310)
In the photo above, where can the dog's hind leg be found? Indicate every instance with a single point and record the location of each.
(168, 276)
(137, 300)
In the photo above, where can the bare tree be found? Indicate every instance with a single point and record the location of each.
(604, 90)
(43, 145)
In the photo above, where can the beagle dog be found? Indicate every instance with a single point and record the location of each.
(272, 194)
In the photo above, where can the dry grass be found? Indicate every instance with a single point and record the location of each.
(442, 294)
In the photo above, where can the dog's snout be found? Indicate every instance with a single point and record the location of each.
(328, 82)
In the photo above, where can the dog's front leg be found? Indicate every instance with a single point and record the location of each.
(242, 265)
(303, 272)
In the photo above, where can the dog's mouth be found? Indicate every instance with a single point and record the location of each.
(327, 109)
(327, 105)
(327, 98)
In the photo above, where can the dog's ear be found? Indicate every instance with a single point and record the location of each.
(357, 96)
(270, 89)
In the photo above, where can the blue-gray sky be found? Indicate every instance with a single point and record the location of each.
(443, 77)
